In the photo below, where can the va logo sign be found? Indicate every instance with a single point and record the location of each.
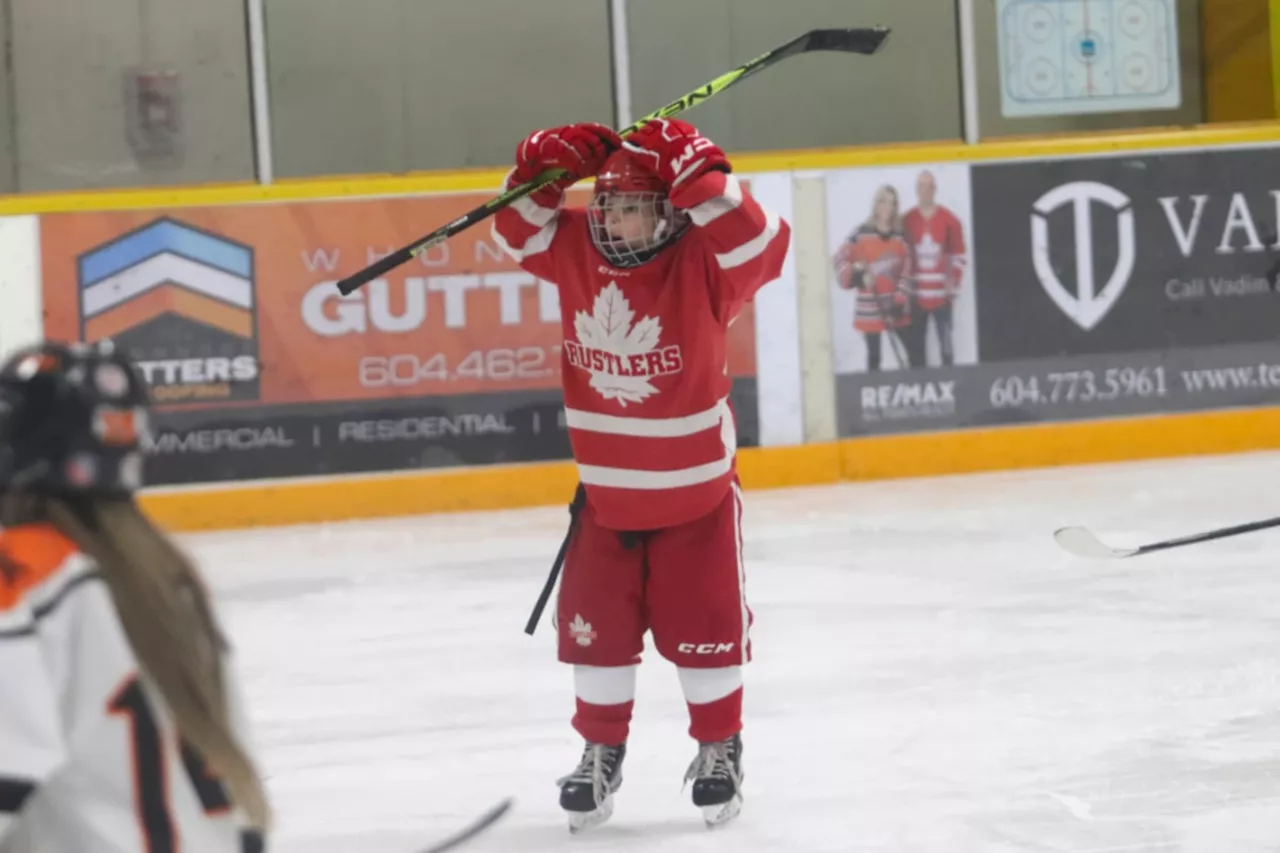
(1085, 303)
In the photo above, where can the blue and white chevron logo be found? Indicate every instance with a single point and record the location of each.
(181, 300)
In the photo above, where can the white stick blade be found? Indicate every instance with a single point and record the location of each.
(1081, 542)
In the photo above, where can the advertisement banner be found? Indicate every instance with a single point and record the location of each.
(1127, 254)
(1061, 389)
(903, 299)
(1108, 286)
(261, 369)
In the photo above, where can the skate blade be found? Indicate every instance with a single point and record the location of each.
(719, 815)
(583, 821)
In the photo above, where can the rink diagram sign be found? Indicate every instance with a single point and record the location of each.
(1062, 57)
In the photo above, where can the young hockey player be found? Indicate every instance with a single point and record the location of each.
(120, 723)
(650, 277)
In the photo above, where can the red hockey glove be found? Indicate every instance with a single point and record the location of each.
(675, 151)
(579, 149)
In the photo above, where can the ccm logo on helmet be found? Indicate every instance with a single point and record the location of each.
(704, 648)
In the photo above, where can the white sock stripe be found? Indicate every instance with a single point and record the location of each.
(703, 686)
(604, 685)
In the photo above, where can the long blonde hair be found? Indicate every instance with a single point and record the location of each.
(885, 191)
(167, 618)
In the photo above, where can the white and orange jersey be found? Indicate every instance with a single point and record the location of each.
(885, 258)
(90, 759)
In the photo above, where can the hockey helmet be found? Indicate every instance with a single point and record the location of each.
(72, 419)
(631, 216)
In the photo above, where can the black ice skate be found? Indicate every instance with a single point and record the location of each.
(717, 780)
(586, 794)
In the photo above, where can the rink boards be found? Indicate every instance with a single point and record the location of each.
(1106, 298)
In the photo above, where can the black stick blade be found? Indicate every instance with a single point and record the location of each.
(865, 40)
(477, 826)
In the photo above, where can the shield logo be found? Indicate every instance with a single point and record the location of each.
(1087, 304)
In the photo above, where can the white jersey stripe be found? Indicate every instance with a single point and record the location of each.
(630, 478)
(715, 207)
(539, 242)
(533, 213)
(648, 427)
(742, 574)
(753, 248)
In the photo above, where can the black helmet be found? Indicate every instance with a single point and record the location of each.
(72, 418)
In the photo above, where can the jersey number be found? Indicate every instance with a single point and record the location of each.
(151, 788)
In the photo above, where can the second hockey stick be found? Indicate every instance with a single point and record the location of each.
(479, 825)
(1083, 543)
(865, 41)
(575, 510)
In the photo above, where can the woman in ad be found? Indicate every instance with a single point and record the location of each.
(875, 260)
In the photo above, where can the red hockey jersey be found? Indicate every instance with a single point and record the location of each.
(940, 257)
(643, 365)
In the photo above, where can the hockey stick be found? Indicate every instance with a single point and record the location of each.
(575, 509)
(476, 827)
(864, 41)
(543, 597)
(1083, 543)
(895, 341)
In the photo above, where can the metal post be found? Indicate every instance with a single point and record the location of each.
(968, 72)
(11, 93)
(261, 90)
(621, 63)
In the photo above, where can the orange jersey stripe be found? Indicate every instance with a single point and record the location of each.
(30, 555)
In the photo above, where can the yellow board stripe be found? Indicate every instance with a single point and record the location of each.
(880, 457)
(478, 180)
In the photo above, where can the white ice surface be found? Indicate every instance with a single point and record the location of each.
(932, 674)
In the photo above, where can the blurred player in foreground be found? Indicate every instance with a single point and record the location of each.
(650, 275)
(121, 727)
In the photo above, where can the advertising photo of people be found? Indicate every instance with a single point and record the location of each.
(900, 299)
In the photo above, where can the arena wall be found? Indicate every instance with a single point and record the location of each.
(1147, 339)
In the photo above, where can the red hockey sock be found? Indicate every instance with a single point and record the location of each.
(605, 695)
(607, 724)
(714, 697)
(717, 720)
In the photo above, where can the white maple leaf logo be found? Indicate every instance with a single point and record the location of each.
(581, 630)
(608, 328)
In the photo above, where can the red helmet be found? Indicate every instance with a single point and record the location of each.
(621, 173)
(631, 217)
